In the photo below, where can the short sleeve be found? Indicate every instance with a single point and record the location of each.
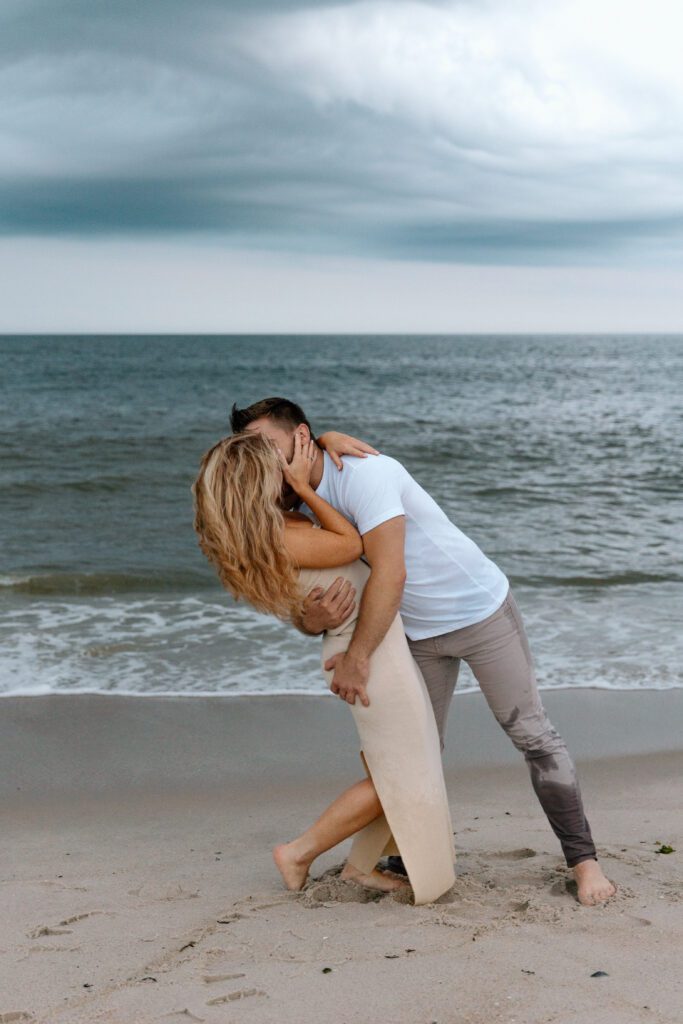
(373, 491)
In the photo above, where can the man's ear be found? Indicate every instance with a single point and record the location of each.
(305, 433)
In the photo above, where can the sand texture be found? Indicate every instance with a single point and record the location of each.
(137, 890)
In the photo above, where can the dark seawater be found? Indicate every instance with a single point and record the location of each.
(560, 456)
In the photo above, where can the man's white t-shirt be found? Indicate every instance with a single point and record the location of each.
(450, 583)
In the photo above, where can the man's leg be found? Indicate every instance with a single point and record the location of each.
(497, 651)
(440, 673)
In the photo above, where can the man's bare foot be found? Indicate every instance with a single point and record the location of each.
(293, 870)
(374, 880)
(594, 886)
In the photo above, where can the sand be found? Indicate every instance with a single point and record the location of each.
(137, 884)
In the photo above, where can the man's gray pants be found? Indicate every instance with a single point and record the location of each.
(497, 651)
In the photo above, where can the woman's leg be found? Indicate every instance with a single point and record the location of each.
(370, 844)
(353, 810)
(399, 738)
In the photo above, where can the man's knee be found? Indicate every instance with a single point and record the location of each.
(533, 733)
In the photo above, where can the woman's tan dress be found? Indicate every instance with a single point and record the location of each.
(401, 751)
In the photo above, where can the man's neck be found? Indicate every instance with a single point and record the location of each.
(318, 470)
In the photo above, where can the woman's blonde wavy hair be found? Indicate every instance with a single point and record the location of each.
(241, 526)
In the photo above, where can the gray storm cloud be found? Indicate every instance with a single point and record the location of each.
(486, 132)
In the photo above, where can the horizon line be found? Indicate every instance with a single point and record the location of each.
(324, 334)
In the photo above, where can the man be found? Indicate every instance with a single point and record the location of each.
(455, 604)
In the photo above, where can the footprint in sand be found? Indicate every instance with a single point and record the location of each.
(519, 906)
(59, 929)
(328, 890)
(45, 929)
(209, 978)
(521, 854)
(251, 903)
(185, 1013)
(230, 918)
(88, 913)
(231, 997)
(32, 950)
(672, 892)
(564, 887)
(9, 1018)
(164, 893)
(62, 885)
(633, 858)
(275, 903)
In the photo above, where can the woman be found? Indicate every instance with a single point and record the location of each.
(272, 559)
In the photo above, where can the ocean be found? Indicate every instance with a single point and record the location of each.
(559, 455)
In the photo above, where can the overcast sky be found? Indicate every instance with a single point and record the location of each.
(376, 165)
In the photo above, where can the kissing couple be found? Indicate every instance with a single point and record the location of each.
(342, 541)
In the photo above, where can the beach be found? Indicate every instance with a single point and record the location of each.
(440, 244)
(138, 886)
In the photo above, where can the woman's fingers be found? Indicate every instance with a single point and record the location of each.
(362, 450)
(350, 446)
(298, 471)
(354, 446)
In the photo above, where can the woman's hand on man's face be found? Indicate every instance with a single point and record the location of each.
(297, 473)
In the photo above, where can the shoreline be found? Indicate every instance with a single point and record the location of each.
(461, 691)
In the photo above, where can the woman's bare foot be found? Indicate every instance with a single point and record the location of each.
(594, 886)
(374, 880)
(291, 866)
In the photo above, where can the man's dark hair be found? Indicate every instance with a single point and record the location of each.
(279, 410)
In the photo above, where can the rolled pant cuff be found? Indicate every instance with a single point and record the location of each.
(573, 861)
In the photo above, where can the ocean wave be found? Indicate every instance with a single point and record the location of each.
(191, 644)
(104, 583)
(50, 487)
(617, 579)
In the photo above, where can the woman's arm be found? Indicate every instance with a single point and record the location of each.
(338, 541)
